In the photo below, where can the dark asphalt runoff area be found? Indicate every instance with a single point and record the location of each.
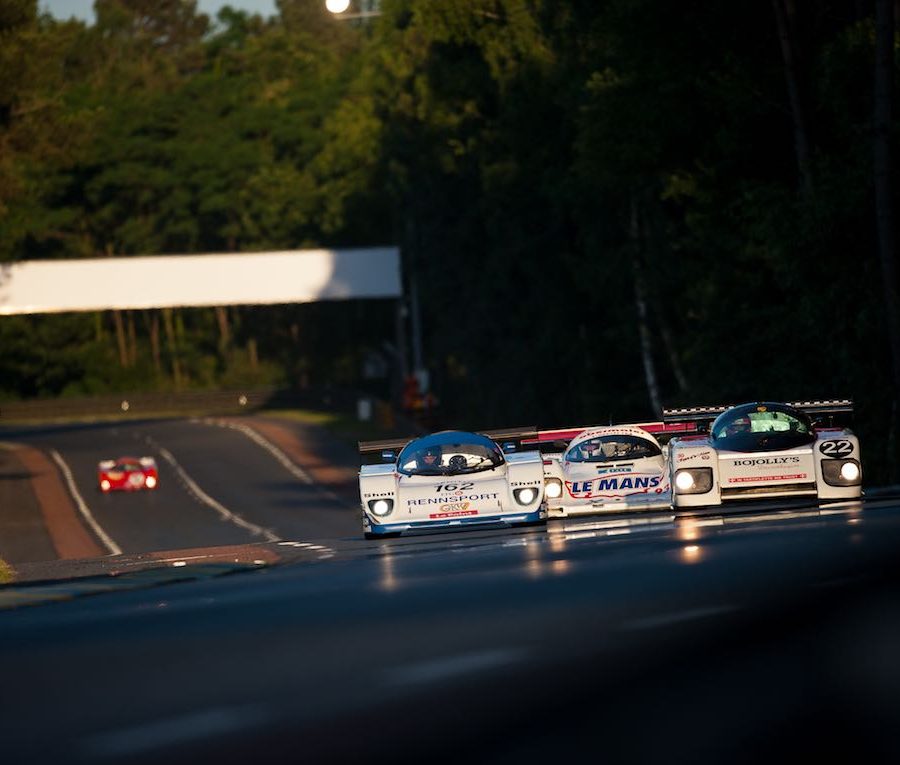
(766, 633)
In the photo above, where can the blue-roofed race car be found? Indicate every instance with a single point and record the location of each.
(451, 479)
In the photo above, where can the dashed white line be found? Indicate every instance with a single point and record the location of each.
(85, 511)
(223, 511)
(304, 545)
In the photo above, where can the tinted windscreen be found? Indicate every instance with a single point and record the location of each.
(612, 448)
(759, 428)
(444, 454)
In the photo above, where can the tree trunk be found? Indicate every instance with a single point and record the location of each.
(154, 343)
(132, 340)
(640, 302)
(120, 338)
(224, 329)
(254, 355)
(173, 346)
(669, 345)
(783, 19)
(884, 69)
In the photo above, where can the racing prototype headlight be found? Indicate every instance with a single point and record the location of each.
(525, 496)
(693, 480)
(841, 472)
(553, 488)
(151, 482)
(381, 507)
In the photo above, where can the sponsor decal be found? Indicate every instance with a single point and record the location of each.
(453, 513)
(454, 507)
(685, 456)
(841, 448)
(634, 483)
(607, 471)
(766, 461)
(456, 488)
(754, 478)
(452, 499)
(623, 431)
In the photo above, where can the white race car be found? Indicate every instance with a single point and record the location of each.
(606, 468)
(451, 479)
(762, 450)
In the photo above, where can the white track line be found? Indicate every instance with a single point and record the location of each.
(294, 469)
(85, 511)
(223, 511)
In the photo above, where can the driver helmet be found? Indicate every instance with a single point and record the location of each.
(609, 449)
(431, 456)
(740, 425)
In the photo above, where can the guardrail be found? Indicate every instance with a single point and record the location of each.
(188, 402)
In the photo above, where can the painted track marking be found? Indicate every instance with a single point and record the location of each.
(223, 511)
(85, 511)
(292, 467)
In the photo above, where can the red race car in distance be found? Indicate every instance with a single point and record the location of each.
(127, 474)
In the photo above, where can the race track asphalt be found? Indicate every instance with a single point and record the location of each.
(768, 633)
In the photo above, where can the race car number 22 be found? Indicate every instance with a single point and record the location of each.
(454, 487)
(836, 448)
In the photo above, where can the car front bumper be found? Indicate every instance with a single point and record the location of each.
(370, 526)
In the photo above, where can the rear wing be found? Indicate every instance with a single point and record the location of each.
(377, 452)
(827, 413)
(821, 412)
(557, 440)
(508, 439)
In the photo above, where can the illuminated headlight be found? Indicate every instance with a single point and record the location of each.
(684, 480)
(150, 483)
(841, 472)
(693, 480)
(525, 496)
(849, 471)
(553, 488)
(381, 507)
(104, 485)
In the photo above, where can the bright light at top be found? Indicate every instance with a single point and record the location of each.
(337, 6)
(684, 480)
(849, 471)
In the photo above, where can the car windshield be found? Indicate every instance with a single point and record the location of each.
(762, 419)
(759, 427)
(452, 453)
(612, 448)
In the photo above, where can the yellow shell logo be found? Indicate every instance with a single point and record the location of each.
(760, 409)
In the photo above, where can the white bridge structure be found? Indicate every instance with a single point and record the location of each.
(171, 281)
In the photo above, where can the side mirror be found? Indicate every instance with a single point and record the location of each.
(388, 455)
